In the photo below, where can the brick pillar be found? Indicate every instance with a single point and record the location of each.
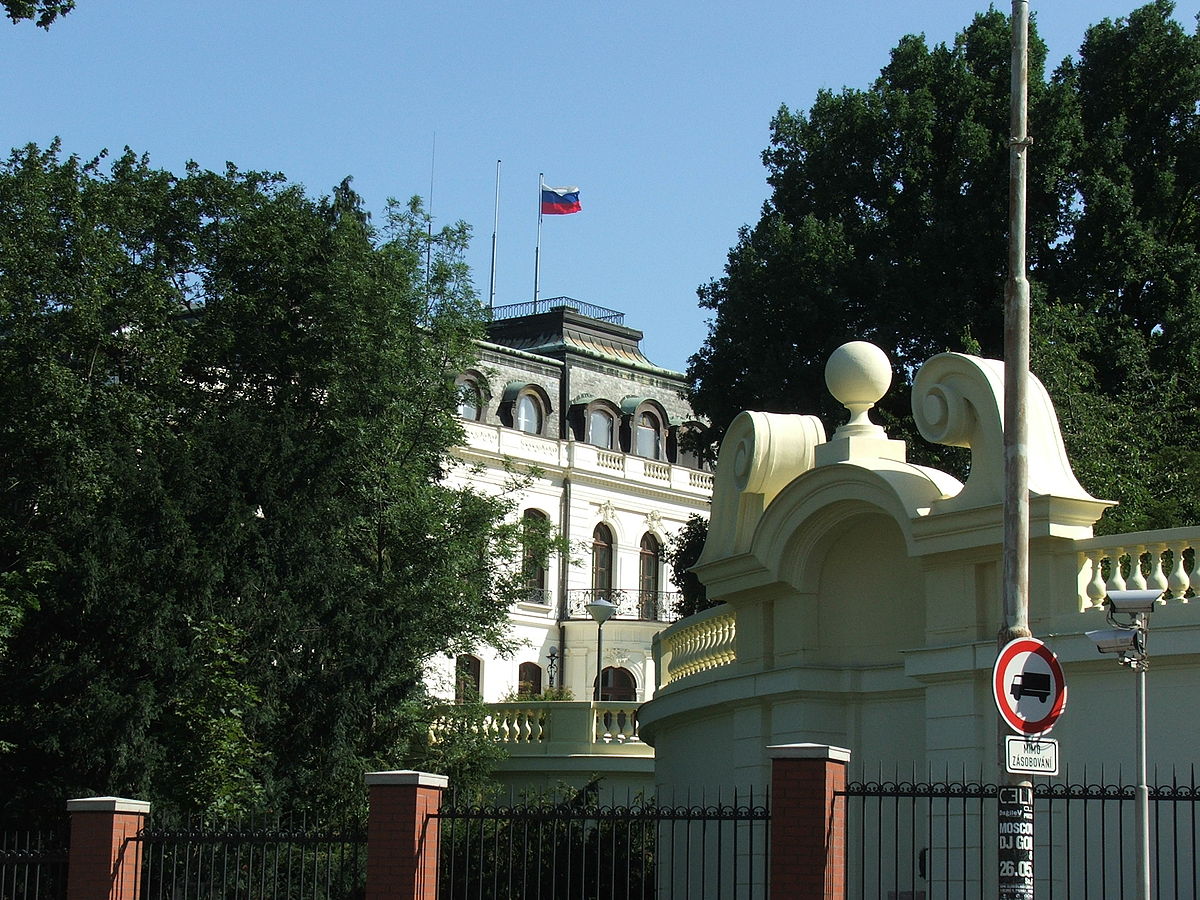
(402, 839)
(808, 824)
(104, 863)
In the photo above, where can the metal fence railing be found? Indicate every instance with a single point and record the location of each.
(910, 840)
(288, 858)
(533, 308)
(33, 863)
(578, 849)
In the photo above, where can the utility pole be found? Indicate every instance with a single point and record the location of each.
(1016, 793)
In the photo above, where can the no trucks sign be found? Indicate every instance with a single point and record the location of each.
(1028, 686)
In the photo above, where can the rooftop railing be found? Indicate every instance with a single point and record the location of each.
(537, 307)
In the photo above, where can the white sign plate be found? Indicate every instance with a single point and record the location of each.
(1038, 756)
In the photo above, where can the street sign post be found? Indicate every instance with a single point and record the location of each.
(1028, 686)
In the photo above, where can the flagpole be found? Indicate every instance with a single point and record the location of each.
(495, 231)
(537, 251)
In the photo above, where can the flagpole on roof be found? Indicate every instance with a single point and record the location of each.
(495, 231)
(537, 250)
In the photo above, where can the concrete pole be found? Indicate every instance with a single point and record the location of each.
(1016, 797)
(1016, 350)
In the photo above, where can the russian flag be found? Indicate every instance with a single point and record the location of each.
(560, 201)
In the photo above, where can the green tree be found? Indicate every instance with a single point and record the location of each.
(683, 552)
(888, 222)
(44, 12)
(223, 522)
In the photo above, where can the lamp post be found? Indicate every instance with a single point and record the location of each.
(601, 610)
(1128, 638)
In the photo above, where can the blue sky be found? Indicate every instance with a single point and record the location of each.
(657, 111)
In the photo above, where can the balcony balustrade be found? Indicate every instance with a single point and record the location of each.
(696, 644)
(496, 440)
(645, 606)
(1165, 561)
(563, 728)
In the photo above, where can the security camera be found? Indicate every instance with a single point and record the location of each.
(1133, 601)
(1114, 640)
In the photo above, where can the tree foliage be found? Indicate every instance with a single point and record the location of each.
(43, 12)
(888, 222)
(226, 546)
(683, 552)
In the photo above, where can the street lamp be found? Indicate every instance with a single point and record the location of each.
(1128, 638)
(601, 610)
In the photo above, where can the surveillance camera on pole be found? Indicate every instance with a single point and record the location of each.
(1128, 638)
(1113, 640)
(1133, 602)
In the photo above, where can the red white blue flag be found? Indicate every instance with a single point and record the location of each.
(560, 201)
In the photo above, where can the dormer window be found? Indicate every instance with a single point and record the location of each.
(601, 428)
(648, 436)
(471, 388)
(469, 401)
(526, 407)
(529, 416)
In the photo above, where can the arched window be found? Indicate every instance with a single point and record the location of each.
(470, 403)
(616, 685)
(602, 562)
(534, 527)
(649, 569)
(649, 436)
(601, 428)
(529, 679)
(529, 416)
(472, 396)
(467, 670)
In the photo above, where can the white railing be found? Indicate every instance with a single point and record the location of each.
(500, 441)
(698, 643)
(561, 728)
(1165, 562)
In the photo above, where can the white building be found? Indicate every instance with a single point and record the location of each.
(562, 390)
(863, 596)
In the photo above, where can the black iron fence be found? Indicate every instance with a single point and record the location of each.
(33, 863)
(286, 858)
(578, 849)
(910, 840)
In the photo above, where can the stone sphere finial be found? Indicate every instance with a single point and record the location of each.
(858, 374)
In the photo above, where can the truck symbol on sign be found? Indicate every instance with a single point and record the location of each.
(1031, 684)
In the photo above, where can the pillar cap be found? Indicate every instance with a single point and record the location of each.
(108, 804)
(808, 751)
(406, 776)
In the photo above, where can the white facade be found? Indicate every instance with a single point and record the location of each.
(863, 597)
(535, 408)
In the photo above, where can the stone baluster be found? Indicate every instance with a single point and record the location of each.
(1136, 580)
(1095, 586)
(1177, 581)
(1158, 576)
(1194, 578)
(1116, 581)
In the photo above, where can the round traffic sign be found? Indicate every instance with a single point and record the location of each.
(1028, 686)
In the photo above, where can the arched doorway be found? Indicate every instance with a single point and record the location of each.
(617, 685)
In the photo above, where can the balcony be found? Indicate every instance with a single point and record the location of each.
(642, 606)
(565, 729)
(495, 441)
